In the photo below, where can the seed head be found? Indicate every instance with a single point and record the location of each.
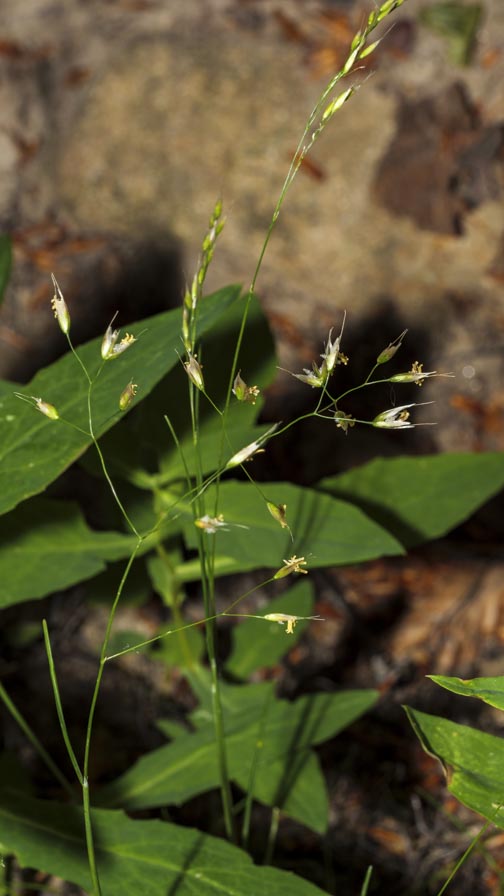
(278, 512)
(194, 371)
(243, 392)
(127, 396)
(388, 353)
(60, 307)
(332, 355)
(254, 448)
(344, 421)
(45, 408)
(318, 376)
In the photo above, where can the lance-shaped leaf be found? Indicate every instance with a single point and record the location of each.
(46, 545)
(151, 857)
(473, 762)
(287, 773)
(419, 498)
(490, 690)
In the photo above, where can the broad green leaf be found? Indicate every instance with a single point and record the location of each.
(419, 498)
(473, 762)
(326, 531)
(5, 263)
(490, 690)
(46, 546)
(258, 644)
(35, 450)
(286, 731)
(299, 788)
(151, 857)
(142, 449)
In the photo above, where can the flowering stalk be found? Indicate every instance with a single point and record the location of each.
(110, 349)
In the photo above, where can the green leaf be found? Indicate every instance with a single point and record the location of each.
(151, 857)
(34, 450)
(298, 788)
(490, 690)
(258, 644)
(5, 263)
(326, 531)
(420, 498)
(473, 762)
(286, 775)
(46, 546)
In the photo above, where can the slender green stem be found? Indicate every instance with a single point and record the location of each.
(367, 382)
(208, 582)
(463, 858)
(89, 838)
(272, 835)
(59, 706)
(103, 465)
(103, 656)
(366, 881)
(89, 729)
(32, 737)
(174, 631)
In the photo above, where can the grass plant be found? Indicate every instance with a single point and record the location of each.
(245, 734)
